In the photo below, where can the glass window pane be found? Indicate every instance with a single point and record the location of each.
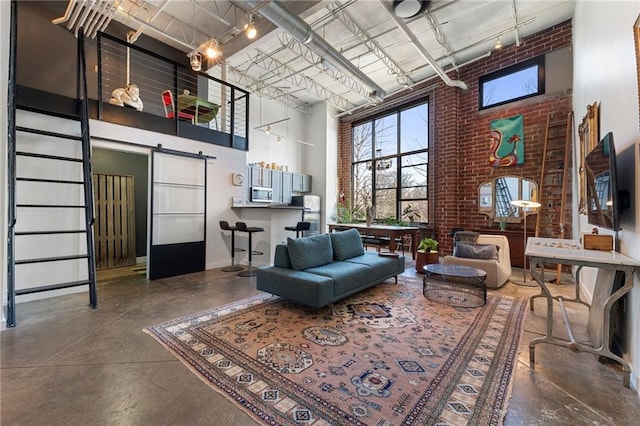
(385, 203)
(414, 192)
(386, 174)
(414, 128)
(362, 185)
(414, 176)
(415, 211)
(362, 142)
(512, 84)
(386, 136)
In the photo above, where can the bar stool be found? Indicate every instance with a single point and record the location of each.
(300, 226)
(224, 225)
(242, 227)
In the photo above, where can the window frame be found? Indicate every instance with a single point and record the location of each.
(397, 157)
(496, 75)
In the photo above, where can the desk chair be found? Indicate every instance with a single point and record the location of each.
(170, 109)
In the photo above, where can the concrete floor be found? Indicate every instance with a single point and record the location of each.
(66, 364)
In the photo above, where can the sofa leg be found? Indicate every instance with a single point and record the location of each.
(330, 309)
(396, 278)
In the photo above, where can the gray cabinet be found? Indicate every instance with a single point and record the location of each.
(260, 176)
(287, 178)
(301, 183)
(306, 183)
(276, 184)
(296, 185)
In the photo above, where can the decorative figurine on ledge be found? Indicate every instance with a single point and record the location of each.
(129, 96)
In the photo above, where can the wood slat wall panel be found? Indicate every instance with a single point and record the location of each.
(115, 226)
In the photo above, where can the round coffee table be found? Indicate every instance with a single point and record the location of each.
(455, 285)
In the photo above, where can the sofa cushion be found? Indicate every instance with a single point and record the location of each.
(380, 266)
(475, 251)
(308, 252)
(346, 244)
(346, 276)
(281, 258)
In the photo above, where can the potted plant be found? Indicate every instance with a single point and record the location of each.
(426, 253)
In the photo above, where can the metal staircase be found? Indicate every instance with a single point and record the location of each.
(50, 194)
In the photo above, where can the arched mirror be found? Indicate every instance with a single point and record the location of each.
(495, 196)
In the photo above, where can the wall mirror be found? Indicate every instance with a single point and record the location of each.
(495, 196)
(588, 133)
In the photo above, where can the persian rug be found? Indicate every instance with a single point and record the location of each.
(385, 356)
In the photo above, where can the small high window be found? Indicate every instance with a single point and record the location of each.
(513, 83)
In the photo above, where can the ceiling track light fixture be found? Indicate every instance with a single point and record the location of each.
(498, 43)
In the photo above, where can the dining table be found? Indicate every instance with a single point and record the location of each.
(393, 232)
(203, 110)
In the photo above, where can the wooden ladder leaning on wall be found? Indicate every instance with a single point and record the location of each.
(554, 178)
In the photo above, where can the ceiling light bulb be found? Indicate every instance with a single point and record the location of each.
(498, 43)
(251, 31)
(212, 52)
(278, 139)
(268, 130)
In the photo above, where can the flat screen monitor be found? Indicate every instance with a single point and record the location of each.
(601, 176)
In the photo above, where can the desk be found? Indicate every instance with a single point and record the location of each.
(390, 231)
(203, 110)
(569, 252)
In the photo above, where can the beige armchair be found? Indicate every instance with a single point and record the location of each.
(498, 271)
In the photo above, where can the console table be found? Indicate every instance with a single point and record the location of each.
(541, 251)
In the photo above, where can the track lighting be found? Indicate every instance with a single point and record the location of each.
(268, 130)
(498, 44)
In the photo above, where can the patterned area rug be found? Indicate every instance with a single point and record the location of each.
(386, 356)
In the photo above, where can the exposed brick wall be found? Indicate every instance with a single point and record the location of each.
(459, 140)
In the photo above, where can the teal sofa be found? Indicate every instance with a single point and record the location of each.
(319, 270)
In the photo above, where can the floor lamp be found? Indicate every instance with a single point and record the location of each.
(524, 205)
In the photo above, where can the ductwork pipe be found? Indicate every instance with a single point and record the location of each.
(423, 52)
(301, 31)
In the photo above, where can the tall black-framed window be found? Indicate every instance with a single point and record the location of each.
(513, 83)
(390, 164)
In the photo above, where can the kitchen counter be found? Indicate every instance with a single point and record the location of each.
(268, 206)
(273, 218)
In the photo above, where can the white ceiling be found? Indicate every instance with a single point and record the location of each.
(453, 32)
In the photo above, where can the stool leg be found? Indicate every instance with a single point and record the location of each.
(233, 267)
(250, 272)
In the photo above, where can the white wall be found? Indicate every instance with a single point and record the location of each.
(263, 147)
(5, 20)
(605, 71)
(321, 160)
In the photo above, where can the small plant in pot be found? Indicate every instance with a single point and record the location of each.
(426, 253)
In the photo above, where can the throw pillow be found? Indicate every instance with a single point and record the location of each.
(469, 237)
(476, 251)
(309, 252)
(346, 244)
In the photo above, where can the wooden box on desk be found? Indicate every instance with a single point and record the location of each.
(597, 242)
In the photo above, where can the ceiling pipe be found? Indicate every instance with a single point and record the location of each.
(301, 31)
(423, 52)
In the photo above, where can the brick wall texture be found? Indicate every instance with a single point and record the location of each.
(459, 142)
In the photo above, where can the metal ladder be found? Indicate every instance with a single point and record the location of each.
(50, 220)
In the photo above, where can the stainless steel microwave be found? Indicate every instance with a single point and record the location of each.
(261, 195)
